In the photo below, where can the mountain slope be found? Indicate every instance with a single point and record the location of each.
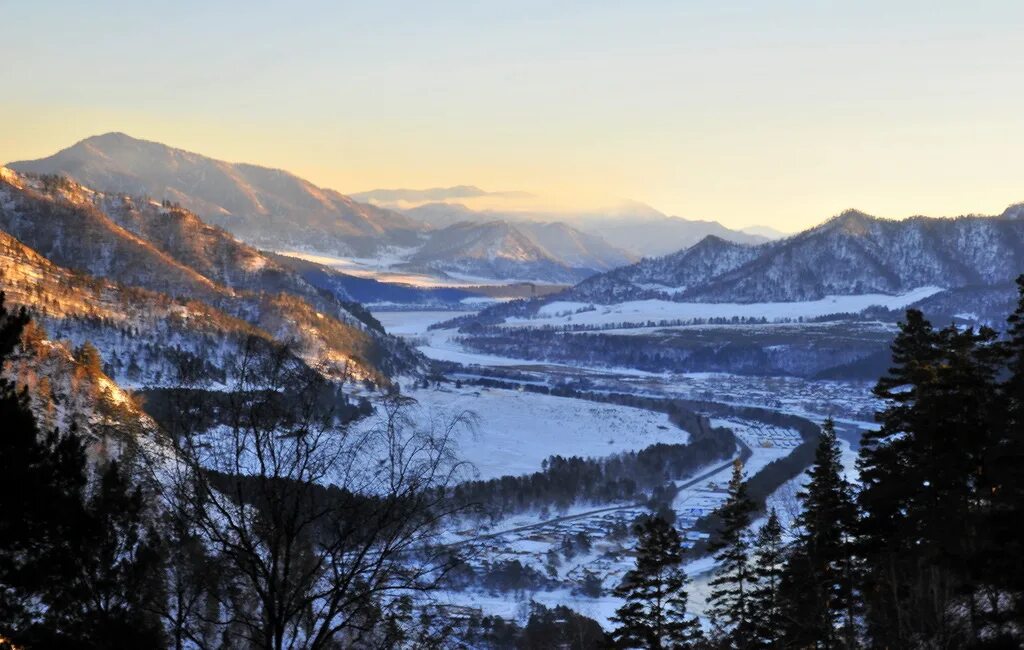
(854, 253)
(268, 207)
(664, 277)
(525, 251)
(67, 224)
(850, 254)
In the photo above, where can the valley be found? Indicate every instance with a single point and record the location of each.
(572, 554)
(527, 392)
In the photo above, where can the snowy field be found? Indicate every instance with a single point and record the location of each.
(515, 431)
(639, 311)
(414, 323)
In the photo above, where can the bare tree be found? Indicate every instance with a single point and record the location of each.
(321, 534)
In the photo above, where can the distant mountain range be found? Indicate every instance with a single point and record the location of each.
(274, 209)
(974, 258)
(635, 228)
(277, 210)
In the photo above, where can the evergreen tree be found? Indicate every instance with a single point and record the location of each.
(116, 589)
(923, 479)
(74, 569)
(765, 601)
(41, 485)
(654, 614)
(730, 596)
(819, 578)
(1001, 549)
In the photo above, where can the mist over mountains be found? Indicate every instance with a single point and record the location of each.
(274, 209)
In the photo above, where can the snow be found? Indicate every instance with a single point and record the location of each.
(516, 431)
(408, 323)
(380, 268)
(583, 313)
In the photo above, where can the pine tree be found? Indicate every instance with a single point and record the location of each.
(923, 485)
(765, 600)
(819, 578)
(730, 596)
(1001, 548)
(654, 614)
(41, 484)
(65, 557)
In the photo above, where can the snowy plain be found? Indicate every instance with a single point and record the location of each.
(640, 311)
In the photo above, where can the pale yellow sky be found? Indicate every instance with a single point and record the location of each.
(780, 115)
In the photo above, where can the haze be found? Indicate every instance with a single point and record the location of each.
(781, 114)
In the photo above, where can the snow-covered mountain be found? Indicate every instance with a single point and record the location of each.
(663, 277)
(635, 228)
(267, 207)
(852, 253)
(973, 258)
(173, 258)
(550, 252)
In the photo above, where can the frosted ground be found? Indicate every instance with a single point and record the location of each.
(514, 432)
(561, 313)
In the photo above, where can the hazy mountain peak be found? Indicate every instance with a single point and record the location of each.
(269, 207)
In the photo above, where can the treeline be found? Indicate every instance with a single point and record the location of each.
(771, 352)
(629, 476)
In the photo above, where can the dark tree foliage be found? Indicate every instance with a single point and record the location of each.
(654, 614)
(819, 581)
(78, 566)
(622, 477)
(931, 480)
(999, 554)
(730, 599)
(560, 628)
(765, 598)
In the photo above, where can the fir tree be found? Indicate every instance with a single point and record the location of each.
(41, 486)
(75, 571)
(765, 601)
(730, 596)
(923, 476)
(818, 585)
(1001, 549)
(654, 614)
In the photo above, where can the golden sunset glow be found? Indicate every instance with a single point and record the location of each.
(782, 114)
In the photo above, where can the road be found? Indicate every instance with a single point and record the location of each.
(590, 513)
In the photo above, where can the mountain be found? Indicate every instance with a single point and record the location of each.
(850, 254)
(267, 207)
(854, 253)
(551, 252)
(214, 279)
(664, 277)
(636, 228)
(653, 236)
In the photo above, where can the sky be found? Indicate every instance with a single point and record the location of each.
(779, 113)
